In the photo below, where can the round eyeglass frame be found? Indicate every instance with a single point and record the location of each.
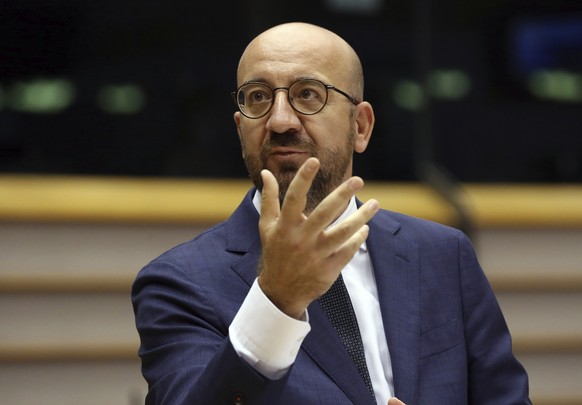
(235, 95)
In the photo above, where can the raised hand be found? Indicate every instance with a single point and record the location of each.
(301, 258)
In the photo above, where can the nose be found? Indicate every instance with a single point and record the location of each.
(282, 117)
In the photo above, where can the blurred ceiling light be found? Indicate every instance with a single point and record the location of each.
(449, 84)
(125, 99)
(42, 96)
(408, 95)
(556, 85)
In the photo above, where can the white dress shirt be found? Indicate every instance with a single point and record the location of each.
(269, 340)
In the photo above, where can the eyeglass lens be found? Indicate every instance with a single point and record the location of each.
(306, 96)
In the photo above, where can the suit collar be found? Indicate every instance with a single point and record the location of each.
(396, 268)
(242, 227)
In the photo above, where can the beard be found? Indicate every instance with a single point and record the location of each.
(333, 165)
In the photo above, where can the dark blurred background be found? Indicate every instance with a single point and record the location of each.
(490, 90)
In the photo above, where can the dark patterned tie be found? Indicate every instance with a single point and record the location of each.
(337, 306)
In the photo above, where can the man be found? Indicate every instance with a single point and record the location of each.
(238, 314)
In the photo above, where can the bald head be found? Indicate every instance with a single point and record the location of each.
(302, 45)
(289, 59)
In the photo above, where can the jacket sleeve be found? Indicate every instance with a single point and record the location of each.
(187, 357)
(495, 375)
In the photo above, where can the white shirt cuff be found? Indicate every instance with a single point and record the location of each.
(265, 337)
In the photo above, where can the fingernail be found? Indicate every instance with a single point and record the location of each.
(354, 184)
(311, 164)
(374, 206)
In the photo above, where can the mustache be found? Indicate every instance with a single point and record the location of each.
(286, 139)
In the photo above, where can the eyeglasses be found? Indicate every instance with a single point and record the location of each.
(306, 96)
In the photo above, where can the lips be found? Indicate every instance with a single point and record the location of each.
(286, 151)
(288, 157)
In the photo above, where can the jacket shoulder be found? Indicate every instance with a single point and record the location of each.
(415, 228)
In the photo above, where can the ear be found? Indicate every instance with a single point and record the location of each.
(239, 131)
(237, 122)
(364, 125)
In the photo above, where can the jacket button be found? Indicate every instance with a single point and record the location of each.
(239, 399)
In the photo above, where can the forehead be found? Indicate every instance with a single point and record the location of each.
(283, 57)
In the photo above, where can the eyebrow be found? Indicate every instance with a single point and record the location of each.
(254, 80)
(262, 80)
(308, 78)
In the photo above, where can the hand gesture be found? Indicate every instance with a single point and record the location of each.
(301, 258)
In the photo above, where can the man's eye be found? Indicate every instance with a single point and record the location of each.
(259, 96)
(306, 94)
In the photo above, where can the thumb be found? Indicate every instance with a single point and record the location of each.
(395, 401)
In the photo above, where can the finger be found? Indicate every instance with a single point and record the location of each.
(395, 401)
(270, 208)
(343, 231)
(296, 196)
(342, 256)
(333, 205)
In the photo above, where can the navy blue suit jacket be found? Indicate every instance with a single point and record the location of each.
(447, 337)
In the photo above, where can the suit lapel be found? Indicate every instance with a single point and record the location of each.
(326, 349)
(242, 236)
(395, 262)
